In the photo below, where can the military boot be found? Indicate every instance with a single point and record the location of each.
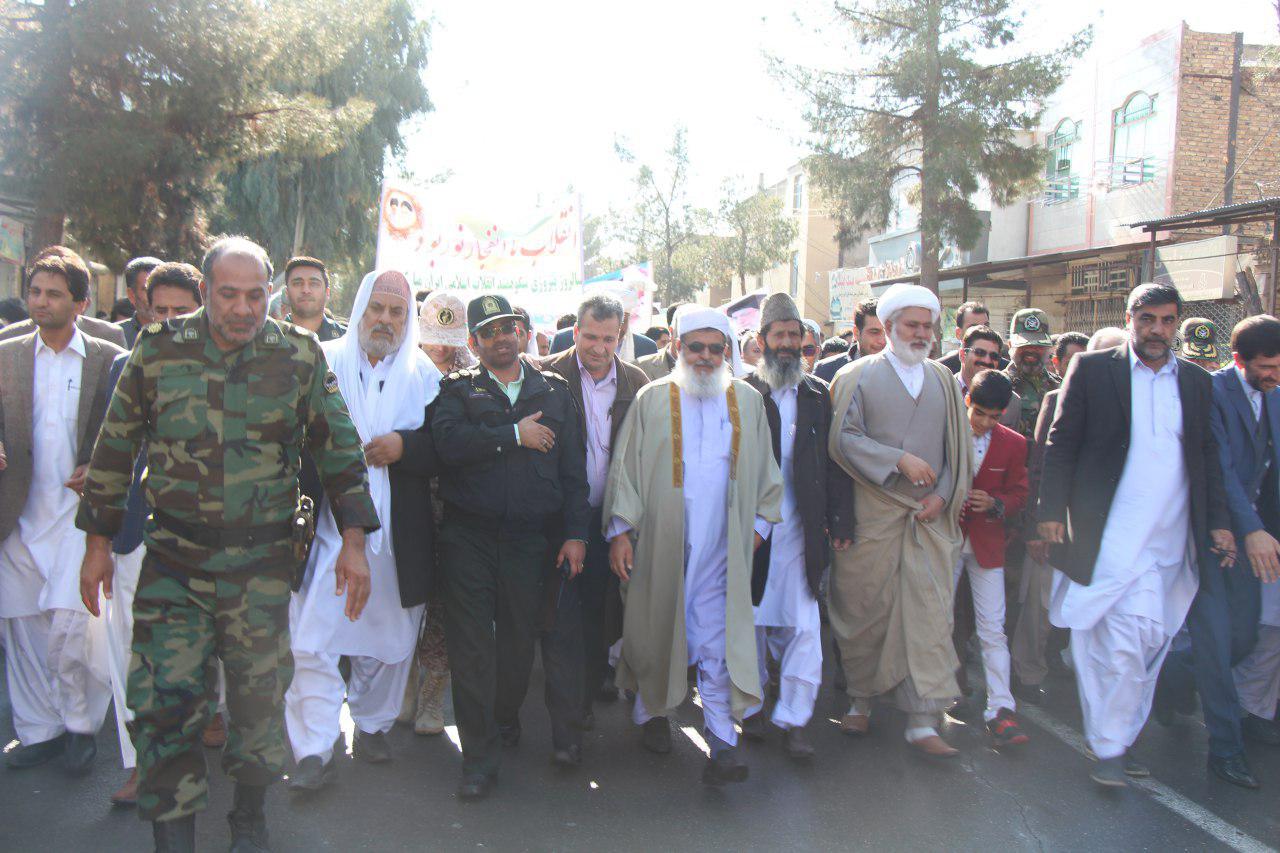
(175, 836)
(248, 823)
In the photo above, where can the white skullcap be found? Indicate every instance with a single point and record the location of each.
(903, 295)
(692, 318)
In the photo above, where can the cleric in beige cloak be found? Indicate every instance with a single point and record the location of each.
(695, 448)
(901, 433)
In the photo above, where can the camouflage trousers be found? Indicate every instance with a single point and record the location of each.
(184, 619)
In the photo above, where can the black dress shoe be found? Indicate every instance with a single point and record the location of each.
(476, 786)
(1263, 731)
(1109, 772)
(1234, 770)
(1032, 693)
(78, 756)
(372, 748)
(175, 836)
(34, 754)
(510, 736)
(753, 727)
(311, 774)
(798, 745)
(570, 756)
(656, 735)
(724, 768)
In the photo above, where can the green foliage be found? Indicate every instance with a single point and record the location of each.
(930, 105)
(126, 116)
(759, 233)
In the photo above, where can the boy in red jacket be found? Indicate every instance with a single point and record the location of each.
(999, 492)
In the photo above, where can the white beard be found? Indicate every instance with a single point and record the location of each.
(701, 385)
(905, 352)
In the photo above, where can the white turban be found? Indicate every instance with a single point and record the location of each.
(691, 318)
(903, 295)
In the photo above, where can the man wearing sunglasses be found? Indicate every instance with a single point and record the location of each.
(693, 489)
(981, 351)
(513, 473)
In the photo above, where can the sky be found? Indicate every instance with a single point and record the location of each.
(530, 97)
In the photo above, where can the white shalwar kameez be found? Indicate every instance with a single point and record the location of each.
(379, 644)
(55, 654)
(1144, 579)
(706, 437)
(788, 625)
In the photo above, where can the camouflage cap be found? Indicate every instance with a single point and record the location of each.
(1199, 338)
(1030, 328)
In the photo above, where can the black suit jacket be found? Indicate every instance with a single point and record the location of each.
(1088, 445)
(413, 528)
(564, 339)
(824, 492)
(827, 368)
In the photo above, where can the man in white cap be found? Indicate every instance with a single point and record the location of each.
(694, 442)
(817, 501)
(387, 382)
(905, 440)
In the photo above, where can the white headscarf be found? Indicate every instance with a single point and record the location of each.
(691, 318)
(903, 295)
(412, 382)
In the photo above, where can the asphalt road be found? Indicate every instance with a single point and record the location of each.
(868, 793)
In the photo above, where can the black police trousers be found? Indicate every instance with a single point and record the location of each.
(491, 585)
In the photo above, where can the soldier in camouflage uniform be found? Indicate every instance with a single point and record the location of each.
(1028, 369)
(225, 401)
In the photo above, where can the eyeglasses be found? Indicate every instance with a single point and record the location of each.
(698, 347)
(487, 332)
(809, 349)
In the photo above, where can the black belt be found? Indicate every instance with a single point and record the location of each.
(223, 537)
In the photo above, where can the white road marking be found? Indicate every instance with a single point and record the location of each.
(1187, 809)
(692, 734)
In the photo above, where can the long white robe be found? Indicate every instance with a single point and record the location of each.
(788, 625)
(1144, 579)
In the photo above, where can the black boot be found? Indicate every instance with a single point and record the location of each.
(248, 823)
(175, 836)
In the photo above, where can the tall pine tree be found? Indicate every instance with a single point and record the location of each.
(940, 101)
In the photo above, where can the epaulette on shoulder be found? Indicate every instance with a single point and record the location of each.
(156, 327)
(465, 374)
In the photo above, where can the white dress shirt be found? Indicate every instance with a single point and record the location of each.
(912, 375)
(597, 408)
(1253, 394)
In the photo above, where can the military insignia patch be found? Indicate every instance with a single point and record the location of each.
(1031, 324)
(1202, 332)
(445, 317)
(190, 333)
(154, 328)
(331, 382)
(490, 305)
(271, 338)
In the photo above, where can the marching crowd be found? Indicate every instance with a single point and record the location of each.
(231, 524)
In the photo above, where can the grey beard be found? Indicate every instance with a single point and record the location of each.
(698, 384)
(776, 374)
(379, 348)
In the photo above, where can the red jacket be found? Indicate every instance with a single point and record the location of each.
(1003, 475)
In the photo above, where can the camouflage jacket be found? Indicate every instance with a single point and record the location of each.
(1032, 390)
(224, 433)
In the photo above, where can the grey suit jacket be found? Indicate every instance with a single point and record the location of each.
(90, 326)
(17, 375)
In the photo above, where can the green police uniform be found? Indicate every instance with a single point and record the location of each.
(223, 432)
(1030, 327)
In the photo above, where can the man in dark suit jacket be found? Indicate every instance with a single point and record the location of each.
(1132, 485)
(1224, 617)
(817, 511)
(968, 315)
(641, 345)
(587, 612)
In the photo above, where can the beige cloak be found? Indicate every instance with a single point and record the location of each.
(641, 491)
(890, 596)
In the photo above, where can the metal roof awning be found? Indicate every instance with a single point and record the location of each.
(984, 268)
(1263, 209)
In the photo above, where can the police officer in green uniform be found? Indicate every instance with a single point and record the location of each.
(1200, 343)
(1029, 348)
(306, 289)
(225, 401)
(514, 484)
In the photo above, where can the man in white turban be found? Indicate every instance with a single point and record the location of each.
(387, 382)
(906, 442)
(693, 489)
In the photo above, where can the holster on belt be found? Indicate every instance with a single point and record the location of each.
(302, 533)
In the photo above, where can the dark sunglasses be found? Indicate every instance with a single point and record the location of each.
(487, 332)
(988, 354)
(698, 347)
(809, 349)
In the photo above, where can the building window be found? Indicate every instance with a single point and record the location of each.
(797, 193)
(795, 274)
(1131, 160)
(1061, 183)
(1108, 276)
